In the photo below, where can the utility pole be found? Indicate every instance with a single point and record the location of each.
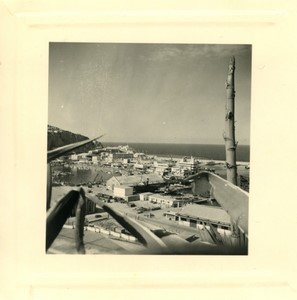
(229, 135)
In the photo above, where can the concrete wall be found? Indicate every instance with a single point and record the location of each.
(107, 232)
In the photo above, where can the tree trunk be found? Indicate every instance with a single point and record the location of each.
(229, 136)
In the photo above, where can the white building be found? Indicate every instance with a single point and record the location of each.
(122, 191)
(144, 196)
(163, 200)
(198, 216)
(187, 163)
(133, 180)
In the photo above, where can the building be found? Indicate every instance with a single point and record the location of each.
(140, 166)
(168, 201)
(144, 196)
(198, 216)
(131, 198)
(161, 168)
(120, 155)
(187, 163)
(122, 191)
(162, 200)
(134, 181)
(125, 193)
(140, 183)
(126, 149)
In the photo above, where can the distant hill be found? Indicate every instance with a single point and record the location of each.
(57, 137)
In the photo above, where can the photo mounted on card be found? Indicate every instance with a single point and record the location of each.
(148, 148)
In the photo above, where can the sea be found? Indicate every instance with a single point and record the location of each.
(206, 151)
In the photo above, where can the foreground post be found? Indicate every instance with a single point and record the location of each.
(79, 223)
(229, 136)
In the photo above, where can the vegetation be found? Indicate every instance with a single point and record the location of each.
(57, 137)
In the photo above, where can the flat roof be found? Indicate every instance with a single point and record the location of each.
(204, 212)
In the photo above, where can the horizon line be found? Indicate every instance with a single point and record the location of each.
(183, 143)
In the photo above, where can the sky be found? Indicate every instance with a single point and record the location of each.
(154, 93)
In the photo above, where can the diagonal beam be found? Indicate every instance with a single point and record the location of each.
(53, 154)
(142, 233)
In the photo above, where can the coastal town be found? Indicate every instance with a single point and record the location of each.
(151, 189)
(119, 199)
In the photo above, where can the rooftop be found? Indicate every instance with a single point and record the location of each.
(204, 212)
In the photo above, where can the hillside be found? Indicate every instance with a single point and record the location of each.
(57, 137)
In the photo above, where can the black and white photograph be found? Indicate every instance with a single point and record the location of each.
(148, 148)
